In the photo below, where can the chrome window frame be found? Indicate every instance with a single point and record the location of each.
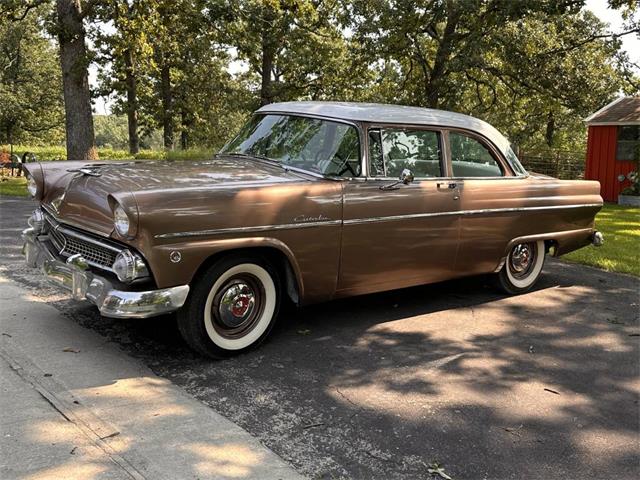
(441, 146)
(446, 153)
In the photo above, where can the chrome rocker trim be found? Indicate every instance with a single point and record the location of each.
(73, 275)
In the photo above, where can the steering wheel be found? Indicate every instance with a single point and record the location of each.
(343, 164)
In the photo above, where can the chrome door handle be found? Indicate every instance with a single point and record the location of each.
(448, 185)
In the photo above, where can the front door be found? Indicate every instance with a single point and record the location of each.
(402, 235)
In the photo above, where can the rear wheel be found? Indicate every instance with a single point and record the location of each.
(231, 308)
(522, 267)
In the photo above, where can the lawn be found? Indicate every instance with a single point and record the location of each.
(621, 250)
(620, 226)
(15, 186)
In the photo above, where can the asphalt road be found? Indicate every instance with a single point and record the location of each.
(543, 385)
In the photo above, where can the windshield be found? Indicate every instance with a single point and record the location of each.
(320, 146)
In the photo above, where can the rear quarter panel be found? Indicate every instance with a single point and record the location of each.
(534, 206)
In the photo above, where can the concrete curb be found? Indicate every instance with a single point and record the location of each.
(142, 424)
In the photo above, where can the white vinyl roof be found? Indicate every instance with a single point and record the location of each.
(398, 114)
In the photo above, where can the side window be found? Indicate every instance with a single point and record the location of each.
(393, 150)
(470, 158)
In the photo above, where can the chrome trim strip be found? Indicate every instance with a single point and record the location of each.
(357, 221)
(103, 244)
(257, 228)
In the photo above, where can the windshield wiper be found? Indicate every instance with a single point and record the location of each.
(256, 156)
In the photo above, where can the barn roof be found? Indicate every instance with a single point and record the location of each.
(622, 111)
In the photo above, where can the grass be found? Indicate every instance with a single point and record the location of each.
(621, 250)
(14, 186)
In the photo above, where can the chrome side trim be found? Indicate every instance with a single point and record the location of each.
(257, 228)
(357, 221)
(485, 211)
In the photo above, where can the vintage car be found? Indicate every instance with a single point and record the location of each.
(311, 201)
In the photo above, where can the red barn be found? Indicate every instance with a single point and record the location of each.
(613, 145)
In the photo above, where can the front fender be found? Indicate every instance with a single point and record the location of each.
(194, 253)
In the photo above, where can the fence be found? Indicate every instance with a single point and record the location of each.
(565, 164)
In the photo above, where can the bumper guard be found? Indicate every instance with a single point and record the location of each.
(74, 276)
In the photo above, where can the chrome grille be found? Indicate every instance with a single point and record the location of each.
(67, 242)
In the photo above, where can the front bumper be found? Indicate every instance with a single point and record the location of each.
(84, 284)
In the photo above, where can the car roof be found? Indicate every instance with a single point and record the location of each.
(394, 114)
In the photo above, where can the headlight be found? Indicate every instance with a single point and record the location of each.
(129, 266)
(121, 221)
(32, 186)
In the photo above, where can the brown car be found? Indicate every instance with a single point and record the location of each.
(311, 201)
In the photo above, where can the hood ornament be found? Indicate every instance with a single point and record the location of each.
(90, 171)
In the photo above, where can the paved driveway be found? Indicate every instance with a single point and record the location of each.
(543, 385)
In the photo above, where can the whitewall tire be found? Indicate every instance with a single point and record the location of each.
(522, 267)
(232, 307)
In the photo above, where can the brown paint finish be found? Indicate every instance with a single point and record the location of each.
(340, 237)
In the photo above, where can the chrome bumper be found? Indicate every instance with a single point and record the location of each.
(597, 239)
(84, 284)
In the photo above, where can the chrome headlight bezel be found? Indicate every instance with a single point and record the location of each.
(121, 221)
(32, 186)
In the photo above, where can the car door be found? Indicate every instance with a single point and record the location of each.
(404, 234)
(489, 193)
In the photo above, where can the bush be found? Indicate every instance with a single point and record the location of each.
(57, 153)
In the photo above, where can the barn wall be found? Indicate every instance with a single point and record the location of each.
(601, 161)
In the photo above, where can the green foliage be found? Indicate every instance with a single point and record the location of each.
(30, 83)
(620, 253)
(534, 69)
(48, 154)
(111, 131)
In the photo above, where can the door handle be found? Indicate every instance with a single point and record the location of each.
(449, 185)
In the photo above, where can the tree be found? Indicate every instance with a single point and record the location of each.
(295, 48)
(68, 27)
(31, 107)
(528, 67)
(75, 80)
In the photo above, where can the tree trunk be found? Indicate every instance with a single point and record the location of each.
(167, 104)
(132, 102)
(75, 82)
(438, 72)
(268, 57)
(551, 128)
(184, 134)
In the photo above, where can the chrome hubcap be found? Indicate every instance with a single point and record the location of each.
(522, 259)
(237, 306)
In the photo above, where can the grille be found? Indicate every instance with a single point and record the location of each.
(69, 242)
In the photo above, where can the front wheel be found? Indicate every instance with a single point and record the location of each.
(522, 268)
(231, 308)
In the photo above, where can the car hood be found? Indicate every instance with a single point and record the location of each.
(82, 193)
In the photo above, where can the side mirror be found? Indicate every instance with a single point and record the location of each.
(406, 176)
